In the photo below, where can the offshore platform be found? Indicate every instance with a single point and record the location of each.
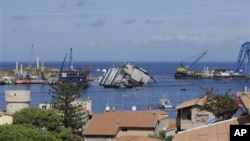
(80, 76)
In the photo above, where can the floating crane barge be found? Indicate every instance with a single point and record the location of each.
(219, 73)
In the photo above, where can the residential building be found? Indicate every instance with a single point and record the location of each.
(135, 138)
(219, 131)
(190, 115)
(118, 124)
(84, 108)
(171, 128)
(5, 118)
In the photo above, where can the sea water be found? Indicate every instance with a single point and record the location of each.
(148, 95)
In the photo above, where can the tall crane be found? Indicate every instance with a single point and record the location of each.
(243, 57)
(196, 60)
(183, 72)
(29, 68)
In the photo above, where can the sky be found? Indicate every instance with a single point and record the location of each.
(123, 30)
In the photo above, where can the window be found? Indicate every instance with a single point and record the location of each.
(124, 129)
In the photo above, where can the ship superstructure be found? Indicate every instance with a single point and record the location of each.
(80, 76)
(125, 75)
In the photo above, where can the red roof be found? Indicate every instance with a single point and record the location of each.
(108, 123)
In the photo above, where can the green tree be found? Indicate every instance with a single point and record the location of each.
(222, 105)
(63, 94)
(45, 121)
(38, 117)
(25, 132)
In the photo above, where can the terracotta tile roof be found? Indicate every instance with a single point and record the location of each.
(197, 101)
(135, 138)
(172, 124)
(214, 132)
(108, 123)
(245, 98)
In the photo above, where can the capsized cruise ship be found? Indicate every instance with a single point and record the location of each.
(125, 76)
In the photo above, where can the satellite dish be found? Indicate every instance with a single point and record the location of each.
(107, 108)
(133, 108)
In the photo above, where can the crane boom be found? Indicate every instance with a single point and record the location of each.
(202, 55)
(63, 62)
(244, 56)
(196, 60)
(29, 68)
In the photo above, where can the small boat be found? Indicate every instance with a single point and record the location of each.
(183, 88)
(164, 103)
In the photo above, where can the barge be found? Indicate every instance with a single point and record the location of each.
(80, 76)
(219, 73)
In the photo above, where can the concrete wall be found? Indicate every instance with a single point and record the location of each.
(5, 119)
(200, 115)
(193, 117)
(98, 139)
(161, 125)
(16, 100)
(135, 132)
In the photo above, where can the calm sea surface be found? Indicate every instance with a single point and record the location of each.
(124, 99)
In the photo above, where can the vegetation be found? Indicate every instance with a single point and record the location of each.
(162, 136)
(35, 124)
(38, 117)
(25, 132)
(61, 123)
(63, 94)
(222, 105)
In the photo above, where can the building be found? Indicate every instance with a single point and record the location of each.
(190, 115)
(84, 106)
(117, 124)
(17, 100)
(219, 131)
(5, 118)
(135, 138)
(171, 128)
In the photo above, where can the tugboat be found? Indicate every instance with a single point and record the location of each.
(80, 76)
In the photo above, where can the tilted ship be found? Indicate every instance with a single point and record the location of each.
(125, 76)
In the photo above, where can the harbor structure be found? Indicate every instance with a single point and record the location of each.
(29, 77)
(80, 76)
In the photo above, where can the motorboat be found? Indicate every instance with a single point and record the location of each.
(164, 103)
(183, 88)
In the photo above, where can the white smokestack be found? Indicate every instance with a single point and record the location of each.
(16, 66)
(37, 62)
